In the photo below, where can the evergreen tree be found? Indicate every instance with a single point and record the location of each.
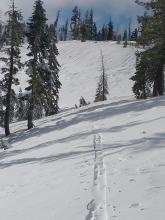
(12, 62)
(21, 107)
(134, 35)
(83, 31)
(125, 35)
(75, 22)
(142, 84)
(125, 38)
(102, 89)
(94, 32)
(103, 33)
(91, 26)
(51, 77)
(110, 32)
(37, 39)
(153, 39)
(129, 29)
(66, 30)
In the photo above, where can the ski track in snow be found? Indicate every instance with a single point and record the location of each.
(98, 205)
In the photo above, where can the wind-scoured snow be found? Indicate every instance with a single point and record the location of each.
(81, 68)
(54, 171)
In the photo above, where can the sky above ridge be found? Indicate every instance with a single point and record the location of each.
(118, 10)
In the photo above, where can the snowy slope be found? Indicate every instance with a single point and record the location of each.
(81, 68)
(50, 173)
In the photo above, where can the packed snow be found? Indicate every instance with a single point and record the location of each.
(100, 162)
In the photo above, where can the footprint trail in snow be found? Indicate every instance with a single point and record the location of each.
(98, 205)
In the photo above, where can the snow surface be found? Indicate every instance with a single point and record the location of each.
(100, 162)
(81, 68)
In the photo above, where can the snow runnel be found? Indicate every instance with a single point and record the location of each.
(98, 205)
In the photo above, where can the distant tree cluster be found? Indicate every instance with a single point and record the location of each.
(83, 27)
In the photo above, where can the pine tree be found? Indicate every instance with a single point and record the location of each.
(103, 33)
(125, 38)
(94, 32)
(66, 30)
(75, 22)
(125, 35)
(83, 31)
(129, 29)
(51, 77)
(134, 35)
(153, 40)
(110, 32)
(102, 89)
(91, 26)
(37, 40)
(141, 88)
(12, 62)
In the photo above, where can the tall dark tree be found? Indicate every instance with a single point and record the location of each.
(110, 32)
(103, 33)
(51, 77)
(66, 30)
(125, 38)
(134, 35)
(125, 35)
(75, 23)
(37, 40)
(94, 31)
(12, 61)
(129, 28)
(153, 40)
(83, 31)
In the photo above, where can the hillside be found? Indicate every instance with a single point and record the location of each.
(81, 68)
(50, 172)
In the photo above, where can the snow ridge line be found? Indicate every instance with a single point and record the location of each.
(98, 205)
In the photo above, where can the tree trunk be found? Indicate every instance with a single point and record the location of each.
(33, 95)
(31, 110)
(30, 113)
(158, 88)
(8, 96)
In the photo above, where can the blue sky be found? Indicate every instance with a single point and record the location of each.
(119, 10)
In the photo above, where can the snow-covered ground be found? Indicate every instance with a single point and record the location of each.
(81, 69)
(100, 162)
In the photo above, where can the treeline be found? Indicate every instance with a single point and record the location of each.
(81, 26)
(84, 27)
(150, 66)
(42, 94)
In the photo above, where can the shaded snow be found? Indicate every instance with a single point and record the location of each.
(48, 172)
